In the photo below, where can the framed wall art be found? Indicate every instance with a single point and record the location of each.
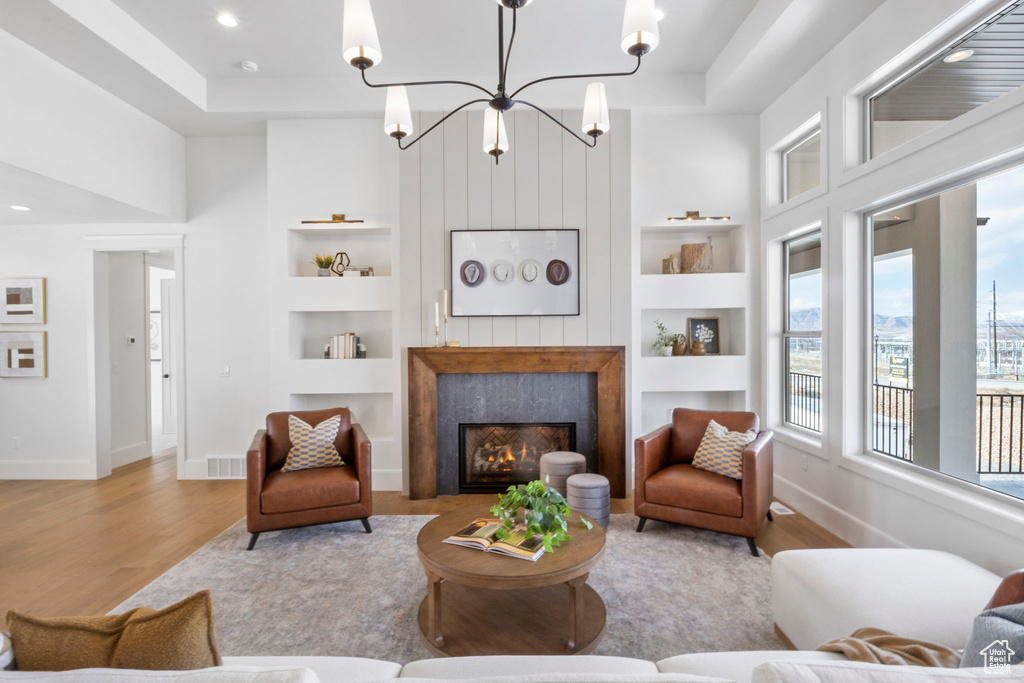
(515, 272)
(705, 330)
(23, 300)
(22, 354)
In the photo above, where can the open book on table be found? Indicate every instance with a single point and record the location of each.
(482, 534)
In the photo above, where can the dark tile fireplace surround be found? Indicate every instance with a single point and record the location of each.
(492, 415)
(581, 388)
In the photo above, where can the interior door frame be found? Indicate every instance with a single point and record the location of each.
(99, 423)
(169, 297)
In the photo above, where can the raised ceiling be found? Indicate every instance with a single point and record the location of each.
(425, 38)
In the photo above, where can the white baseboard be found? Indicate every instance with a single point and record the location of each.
(47, 469)
(130, 454)
(854, 531)
(387, 480)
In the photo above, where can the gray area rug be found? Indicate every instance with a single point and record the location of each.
(334, 590)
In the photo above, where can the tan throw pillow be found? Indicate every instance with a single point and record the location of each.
(721, 451)
(312, 446)
(175, 638)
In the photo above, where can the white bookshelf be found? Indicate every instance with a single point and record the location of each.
(711, 382)
(310, 309)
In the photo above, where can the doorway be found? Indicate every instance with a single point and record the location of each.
(161, 285)
(137, 359)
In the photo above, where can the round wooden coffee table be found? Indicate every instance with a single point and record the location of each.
(493, 604)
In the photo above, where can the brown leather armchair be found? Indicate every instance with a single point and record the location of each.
(669, 488)
(282, 500)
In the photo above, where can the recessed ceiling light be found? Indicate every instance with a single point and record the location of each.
(226, 19)
(659, 14)
(958, 56)
(20, 208)
(251, 67)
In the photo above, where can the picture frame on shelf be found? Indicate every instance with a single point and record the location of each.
(23, 300)
(705, 330)
(23, 354)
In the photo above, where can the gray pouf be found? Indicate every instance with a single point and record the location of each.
(557, 466)
(589, 494)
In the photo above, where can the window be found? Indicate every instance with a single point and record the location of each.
(801, 332)
(946, 344)
(801, 166)
(978, 67)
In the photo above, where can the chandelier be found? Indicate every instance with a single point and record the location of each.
(361, 47)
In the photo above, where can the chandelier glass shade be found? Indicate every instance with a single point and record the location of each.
(361, 48)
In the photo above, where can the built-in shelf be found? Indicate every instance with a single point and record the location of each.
(365, 246)
(373, 411)
(731, 326)
(728, 244)
(364, 376)
(334, 293)
(310, 331)
(692, 373)
(657, 406)
(697, 290)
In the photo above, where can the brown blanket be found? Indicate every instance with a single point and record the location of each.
(881, 647)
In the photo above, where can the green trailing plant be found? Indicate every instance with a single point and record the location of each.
(323, 260)
(545, 512)
(665, 339)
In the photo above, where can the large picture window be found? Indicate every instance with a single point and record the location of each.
(946, 342)
(978, 67)
(801, 332)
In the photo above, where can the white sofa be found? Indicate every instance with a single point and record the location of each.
(817, 595)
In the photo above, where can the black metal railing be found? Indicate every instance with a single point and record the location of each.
(1000, 434)
(803, 401)
(893, 429)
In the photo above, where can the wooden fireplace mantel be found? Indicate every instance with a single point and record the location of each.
(608, 362)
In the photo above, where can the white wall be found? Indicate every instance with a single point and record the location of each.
(226, 323)
(129, 363)
(868, 500)
(57, 124)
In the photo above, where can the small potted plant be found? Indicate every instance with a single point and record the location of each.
(323, 262)
(545, 512)
(668, 344)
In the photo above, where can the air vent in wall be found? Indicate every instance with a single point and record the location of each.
(225, 467)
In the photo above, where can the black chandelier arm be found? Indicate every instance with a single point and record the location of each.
(508, 52)
(443, 119)
(567, 130)
(411, 83)
(639, 60)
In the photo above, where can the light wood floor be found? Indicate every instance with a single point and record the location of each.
(83, 547)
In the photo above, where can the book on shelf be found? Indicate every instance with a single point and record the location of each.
(344, 346)
(482, 534)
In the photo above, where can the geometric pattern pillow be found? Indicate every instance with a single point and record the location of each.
(721, 451)
(312, 446)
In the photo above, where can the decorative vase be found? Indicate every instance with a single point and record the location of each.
(323, 272)
(664, 351)
(679, 348)
(698, 348)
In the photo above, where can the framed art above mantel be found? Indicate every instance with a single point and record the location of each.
(515, 272)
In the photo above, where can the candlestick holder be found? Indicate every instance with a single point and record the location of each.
(437, 337)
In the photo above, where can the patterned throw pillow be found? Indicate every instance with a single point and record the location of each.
(721, 451)
(312, 446)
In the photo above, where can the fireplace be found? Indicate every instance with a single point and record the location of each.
(494, 456)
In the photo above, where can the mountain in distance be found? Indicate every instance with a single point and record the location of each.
(886, 326)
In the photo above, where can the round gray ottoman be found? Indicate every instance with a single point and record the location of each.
(588, 494)
(557, 466)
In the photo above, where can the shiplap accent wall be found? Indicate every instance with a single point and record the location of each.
(547, 179)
